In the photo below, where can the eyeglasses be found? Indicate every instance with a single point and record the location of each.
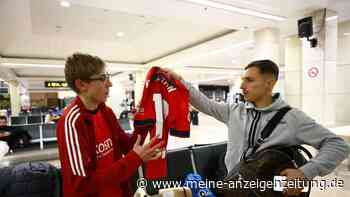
(101, 77)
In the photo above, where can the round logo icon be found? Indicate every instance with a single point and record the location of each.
(313, 72)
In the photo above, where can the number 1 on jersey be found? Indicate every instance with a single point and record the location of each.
(158, 108)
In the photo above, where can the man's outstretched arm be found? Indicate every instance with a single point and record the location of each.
(220, 111)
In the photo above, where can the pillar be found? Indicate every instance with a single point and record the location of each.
(319, 69)
(15, 97)
(293, 71)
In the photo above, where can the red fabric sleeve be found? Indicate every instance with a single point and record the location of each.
(180, 109)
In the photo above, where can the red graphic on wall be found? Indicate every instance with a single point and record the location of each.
(313, 72)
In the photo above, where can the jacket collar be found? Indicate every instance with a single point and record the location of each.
(82, 107)
(277, 103)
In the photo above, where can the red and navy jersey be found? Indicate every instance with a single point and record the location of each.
(164, 110)
(96, 154)
(174, 103)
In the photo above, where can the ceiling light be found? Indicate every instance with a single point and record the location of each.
(331, 18)
(237, 9)
(65, 4)
(347, 34)
(32, 65)
(120, 34)
(113, 67)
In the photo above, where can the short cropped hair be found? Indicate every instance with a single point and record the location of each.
(3, 118)
(81, 66)
(265, 67)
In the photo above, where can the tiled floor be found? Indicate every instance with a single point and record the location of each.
(32, 153)
(208, 131)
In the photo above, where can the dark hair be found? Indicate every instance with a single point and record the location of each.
(81, 66)
(265, 67)
(3, 118)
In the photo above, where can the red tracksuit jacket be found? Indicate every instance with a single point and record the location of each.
(77, 151)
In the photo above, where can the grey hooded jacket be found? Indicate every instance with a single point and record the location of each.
(245, 123)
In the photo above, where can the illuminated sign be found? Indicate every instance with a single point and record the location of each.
(56, 84)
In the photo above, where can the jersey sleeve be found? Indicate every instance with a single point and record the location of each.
(181, 128)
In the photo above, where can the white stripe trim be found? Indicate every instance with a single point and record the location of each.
(66, 130)
(72, 144)
(80, 165)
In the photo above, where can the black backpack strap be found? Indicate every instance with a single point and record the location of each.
(271, 125)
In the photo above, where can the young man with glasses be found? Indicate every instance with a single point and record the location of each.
(97, 157)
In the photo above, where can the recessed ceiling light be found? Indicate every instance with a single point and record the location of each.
(65, 4)
(332, 18)
(234, 61)
(347, 34)
(120, 34)
(9, 64)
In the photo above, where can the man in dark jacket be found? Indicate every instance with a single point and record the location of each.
(15, 136)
